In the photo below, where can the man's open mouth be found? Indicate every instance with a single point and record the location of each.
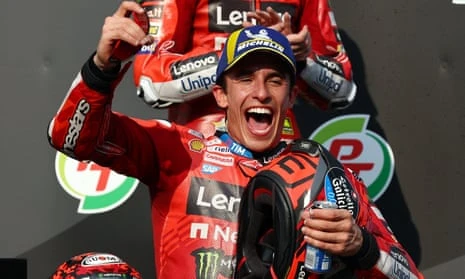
(259, 119)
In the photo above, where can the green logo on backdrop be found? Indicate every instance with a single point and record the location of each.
(362, 150)
(99, 189)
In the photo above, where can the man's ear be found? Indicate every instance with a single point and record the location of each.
(220, 96)
(293, 95)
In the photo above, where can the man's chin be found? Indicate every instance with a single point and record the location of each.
(259, 145)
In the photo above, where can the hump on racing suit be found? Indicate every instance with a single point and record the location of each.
(270, 242)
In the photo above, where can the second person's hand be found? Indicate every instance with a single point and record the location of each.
(300, 41)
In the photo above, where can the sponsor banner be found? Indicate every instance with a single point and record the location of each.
(218, 159)
(219, 149)
(196, 145)
(339, 191)
(197, 82)
(100, 259)
(75, 126)
(214, 141)
(395, 264)
(154, 11)
(147, 49)
(193, 65)
(213, 262)
(330, 64)
(214, 199)
(228, 16)
(218, 233)
(210, 169)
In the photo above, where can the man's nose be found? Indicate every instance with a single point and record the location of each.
(261, 91)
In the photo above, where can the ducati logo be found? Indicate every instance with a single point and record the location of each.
(99, 189)
(360, 149)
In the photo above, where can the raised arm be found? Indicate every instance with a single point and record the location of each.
(85, 128)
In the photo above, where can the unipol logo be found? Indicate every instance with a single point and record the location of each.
(99, 189)
(362, 150)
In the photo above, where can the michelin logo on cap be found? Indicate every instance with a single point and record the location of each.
(266, 41)
(244, 41)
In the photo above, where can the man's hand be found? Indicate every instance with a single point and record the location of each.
(300, 42)
(333, 230)
(120, 27)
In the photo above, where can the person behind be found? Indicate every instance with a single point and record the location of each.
(196, 183)
(177, 71)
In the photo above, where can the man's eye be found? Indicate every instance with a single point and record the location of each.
(245, 78)
(276, 81)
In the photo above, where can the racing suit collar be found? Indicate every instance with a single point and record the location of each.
(238, 149)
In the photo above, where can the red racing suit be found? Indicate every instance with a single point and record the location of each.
(190, 34)
(195, 183)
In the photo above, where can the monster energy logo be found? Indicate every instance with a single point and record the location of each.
(210, 263)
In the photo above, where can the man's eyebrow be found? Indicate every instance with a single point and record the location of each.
(242, 72)
(277, 73)
(245, 71)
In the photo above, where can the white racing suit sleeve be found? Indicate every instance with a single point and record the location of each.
(163, 94)
(326, 78)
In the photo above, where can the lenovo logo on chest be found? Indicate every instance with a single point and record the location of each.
(227, 16)
(214, 199)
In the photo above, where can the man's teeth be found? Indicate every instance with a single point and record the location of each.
(259, 110)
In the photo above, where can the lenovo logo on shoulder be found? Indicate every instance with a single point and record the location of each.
(193, 65)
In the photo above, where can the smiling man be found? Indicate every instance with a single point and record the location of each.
(196, 183)
(256, 92)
